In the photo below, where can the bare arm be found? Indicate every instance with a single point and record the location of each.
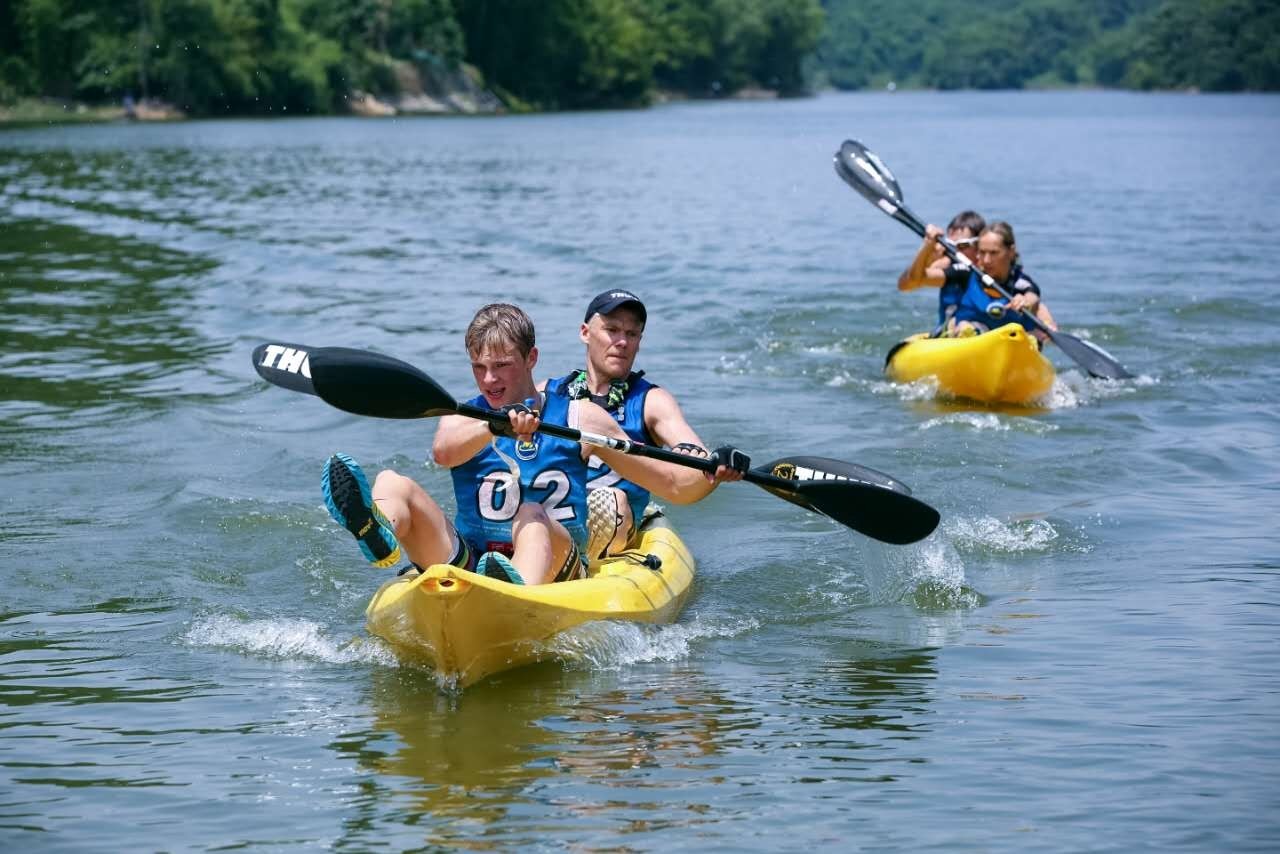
(458, 439)
(464, 437)
(677, 484)
(1043, 315)
(928, 268)
(666, 423)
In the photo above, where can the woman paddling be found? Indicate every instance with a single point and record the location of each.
(978, 308)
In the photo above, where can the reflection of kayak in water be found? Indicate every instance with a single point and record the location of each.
(469, 626)
(1001, 366)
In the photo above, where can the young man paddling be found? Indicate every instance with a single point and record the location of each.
(520, 495)
(963, 231)
(611, 330)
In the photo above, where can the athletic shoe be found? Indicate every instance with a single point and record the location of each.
(603, 522)
(497, 565)
(350, 503)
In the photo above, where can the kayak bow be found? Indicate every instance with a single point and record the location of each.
(1004, 365)
(468, 626)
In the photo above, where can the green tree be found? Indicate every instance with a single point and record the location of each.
(791, 31)
(560, 53)
(1218, 45)
(1210, 44)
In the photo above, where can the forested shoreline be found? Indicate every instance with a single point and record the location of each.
(273, 57)
(1205, 45)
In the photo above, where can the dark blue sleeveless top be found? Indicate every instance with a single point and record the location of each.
(630, 417)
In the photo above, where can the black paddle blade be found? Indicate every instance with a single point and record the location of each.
(1091, 357)
(365, 383)
(285, 365)
(868, 501)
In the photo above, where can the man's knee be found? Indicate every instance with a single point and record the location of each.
(532, 513)
(389, 482)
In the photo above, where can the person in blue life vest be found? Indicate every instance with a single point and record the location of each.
(521, 505)
(978, 309)
(963, 231)
(612, 329)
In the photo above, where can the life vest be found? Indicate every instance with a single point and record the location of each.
(551, 471)
(948, 300)
(976, 298)
(630, 417)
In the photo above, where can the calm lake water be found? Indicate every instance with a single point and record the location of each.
(1083, 657)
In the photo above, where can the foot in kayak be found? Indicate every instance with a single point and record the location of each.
(496, 565)
(350, 502)
(605, 534)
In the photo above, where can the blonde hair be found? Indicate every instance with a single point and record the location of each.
(499, 326)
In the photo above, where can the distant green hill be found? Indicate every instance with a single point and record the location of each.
(1213, 45)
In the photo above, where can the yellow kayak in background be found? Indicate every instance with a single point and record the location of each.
(1004, 365)
(468, 626)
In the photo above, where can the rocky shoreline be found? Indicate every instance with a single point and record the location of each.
(424, 89)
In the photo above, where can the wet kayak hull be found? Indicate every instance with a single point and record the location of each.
(1004, 365)
(468, 626)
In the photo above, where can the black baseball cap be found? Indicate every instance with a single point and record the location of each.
(612, 300)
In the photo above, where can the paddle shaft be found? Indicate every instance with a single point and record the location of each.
(626, 446)
(371, 384)
(851, 495)
(288, 366)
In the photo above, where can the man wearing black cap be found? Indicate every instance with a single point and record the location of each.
(520, 497)
(611, 329)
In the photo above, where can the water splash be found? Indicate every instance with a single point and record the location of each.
(613, 645)
(739, 363)
(835, 348)
(841, 379)
(934, 578)
(285, 639)
(983, 421)
(992, 535)
(925, 388)
(1073, 389)
(929, 575)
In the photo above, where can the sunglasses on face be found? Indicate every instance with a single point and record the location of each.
(965, 242)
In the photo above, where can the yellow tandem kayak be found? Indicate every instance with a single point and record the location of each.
(468, 626)
(1001, 366)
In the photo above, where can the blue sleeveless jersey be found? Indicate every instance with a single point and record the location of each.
(973, 302)
(552, 472)
(630, 417)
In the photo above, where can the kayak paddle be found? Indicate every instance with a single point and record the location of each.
(861, 169)
(365, 383)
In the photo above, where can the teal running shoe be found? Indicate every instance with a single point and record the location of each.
(350, 502)
(496, 565)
